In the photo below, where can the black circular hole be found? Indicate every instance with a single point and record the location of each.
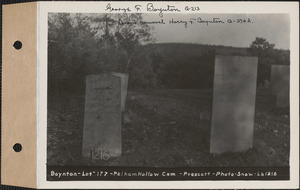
(18, 45)
(17, 147)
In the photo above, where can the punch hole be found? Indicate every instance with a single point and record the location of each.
(17, 45)
(17, 147)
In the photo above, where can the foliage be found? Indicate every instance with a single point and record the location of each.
(260, 45)
(178, 65)
(83, 44)
(189, 71)
(267, 56)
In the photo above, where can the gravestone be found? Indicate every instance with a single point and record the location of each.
(280, 84)
(102, 117)
(124, 85)
(233, 104)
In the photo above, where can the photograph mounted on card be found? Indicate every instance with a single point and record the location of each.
(166, 95)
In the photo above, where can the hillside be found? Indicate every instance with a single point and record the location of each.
(203, 48)
(180, 65)
(198, 48)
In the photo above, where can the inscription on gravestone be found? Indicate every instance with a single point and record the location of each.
(124, 85)
(102, 117)
(280, 84)
(233, 104)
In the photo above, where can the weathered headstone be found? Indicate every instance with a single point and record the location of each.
(280, 84)
(102, 117)
(124, 85)
(233, 104)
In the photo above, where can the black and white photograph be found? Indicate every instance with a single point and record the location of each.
(168, 90)
(150, 95)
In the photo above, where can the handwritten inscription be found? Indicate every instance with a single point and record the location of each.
(168, 8)
(109, 8)
(188, 8)
(239, 20)
(121, 22)
(151, 8)
(190, 21)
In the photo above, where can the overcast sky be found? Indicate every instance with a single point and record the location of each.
(274, 27)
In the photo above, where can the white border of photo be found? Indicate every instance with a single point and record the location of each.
(291, 8)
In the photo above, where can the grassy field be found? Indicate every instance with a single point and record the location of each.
(162, 128)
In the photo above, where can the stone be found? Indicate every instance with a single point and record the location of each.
(102, 118)
(234, 95)
(124, 86)
(280, 84)
(205, 116)
(266, 84)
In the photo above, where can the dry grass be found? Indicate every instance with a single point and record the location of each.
(162, 128)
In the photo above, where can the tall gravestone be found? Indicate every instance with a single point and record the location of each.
(124, 85)
(280, 84)
(233, 104)
(102, 117)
